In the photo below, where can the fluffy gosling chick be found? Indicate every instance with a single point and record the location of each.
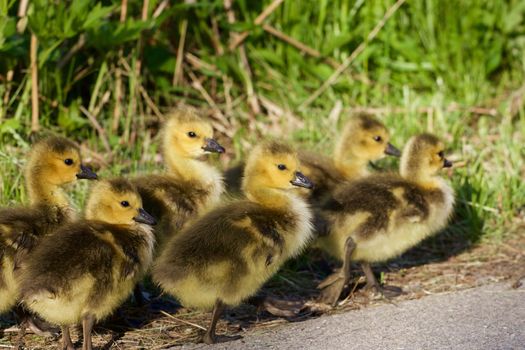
(226, 255)
(381, 216)
(86, 269)
(53, 162)
(364, 139)
(190, 185)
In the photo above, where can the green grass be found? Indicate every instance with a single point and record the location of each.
(445, 56)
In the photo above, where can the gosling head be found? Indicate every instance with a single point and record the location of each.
(188, 135)
(116, 201)
(56, 161)
(273, 165)
(423, 157)
(364, 139)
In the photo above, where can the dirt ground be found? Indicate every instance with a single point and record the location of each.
(441, 264)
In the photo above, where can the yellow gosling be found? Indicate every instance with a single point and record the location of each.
(190, 185)
(381, 216)
(364, 139)
(226, 255)
(53, 162)
(87, 268)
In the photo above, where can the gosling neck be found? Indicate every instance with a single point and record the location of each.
(351, 167)
(426, 181)
(43, 192)
(189, 169)
(269, 197)
(411, 170)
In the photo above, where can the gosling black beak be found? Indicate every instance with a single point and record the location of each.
(86, 173)
(391, 150)
(301, 181)
(145, 218)
(447, 163)
(212, 146)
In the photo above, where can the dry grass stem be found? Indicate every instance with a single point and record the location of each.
(22, 8)
(258, 21)
(227, 95)
(223, 125)
(182, 321)
(253, 100)
(100, 130)
(335, 113)
(162, 6)
(7, 93)
(150, 102)
(105, 99)
(123, 10)
(140, 42)
(199, 64)
(117, 109)
(72, 51)
(22, 12)
(177, 74)
(298, 45)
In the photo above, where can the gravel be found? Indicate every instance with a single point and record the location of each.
(488, 317)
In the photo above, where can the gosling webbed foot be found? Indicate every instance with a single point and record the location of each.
(209, 338)
(280, 307)
(386, 291)
(42, 328)
(331, 288)
(34, 324)
(373, 284)
(277, 307)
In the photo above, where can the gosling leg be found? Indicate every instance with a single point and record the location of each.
(210, 337)
(67, 344)
(333, 285)
(373, 284)
(37, 326)
(87, 326)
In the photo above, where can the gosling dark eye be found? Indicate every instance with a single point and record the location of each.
(377, 138)
(441, 154)
(192, 134)
(281, 167)
(68, 161)
(125, 204)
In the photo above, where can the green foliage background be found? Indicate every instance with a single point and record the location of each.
(452, 67)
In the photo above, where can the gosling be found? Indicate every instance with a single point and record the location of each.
(225, 256)
(87, 268)
(381, 216)
(364, 139)
(53, 163)
(190, 185)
